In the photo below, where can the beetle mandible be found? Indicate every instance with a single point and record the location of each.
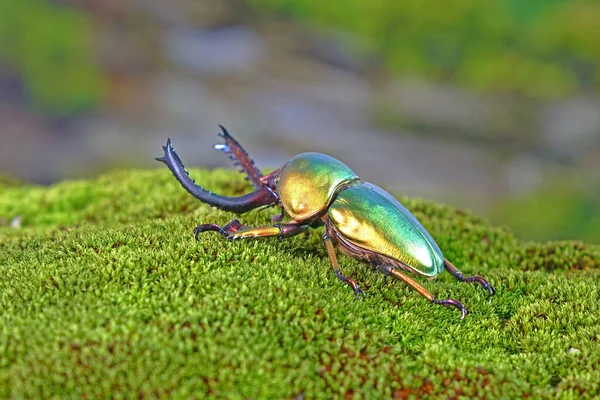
(314, 189)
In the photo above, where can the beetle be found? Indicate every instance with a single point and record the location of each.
(313, 190)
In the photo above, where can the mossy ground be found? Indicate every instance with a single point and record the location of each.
(105, 292)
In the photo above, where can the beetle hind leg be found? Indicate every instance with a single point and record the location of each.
(471, 279)
(328, 242)
(388, 270)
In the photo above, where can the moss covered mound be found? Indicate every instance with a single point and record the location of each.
(104, 290)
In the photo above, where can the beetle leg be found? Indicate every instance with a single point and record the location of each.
(239, 156)
(264, 195)
(477, 279)
(328, 242)
(278, 217)
(227, 230)
(387, 270)
(235, 230)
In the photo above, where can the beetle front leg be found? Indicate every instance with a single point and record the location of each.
(388, 270)
(235, 230)
(328, 242)
(473, 279)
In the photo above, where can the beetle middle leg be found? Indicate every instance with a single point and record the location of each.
(388, 270)
(474, 279)
(235, 230)
(328, 242)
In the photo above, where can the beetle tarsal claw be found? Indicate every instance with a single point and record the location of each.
(453, 303)
(229, 231)
(471, 279)
(358, 291)
(209, 227)
(484, 284)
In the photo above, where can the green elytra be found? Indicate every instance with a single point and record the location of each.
(372, 219)
(314, 189)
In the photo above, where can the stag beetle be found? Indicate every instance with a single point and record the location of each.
(314, 189)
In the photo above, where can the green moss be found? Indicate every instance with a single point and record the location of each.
(104, 290)
(51, 47)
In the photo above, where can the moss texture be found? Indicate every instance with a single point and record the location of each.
(104, 291)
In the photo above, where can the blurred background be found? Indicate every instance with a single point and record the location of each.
(488, 105)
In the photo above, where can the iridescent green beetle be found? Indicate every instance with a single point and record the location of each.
(314, 189)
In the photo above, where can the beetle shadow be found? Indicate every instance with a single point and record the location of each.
(295, 250)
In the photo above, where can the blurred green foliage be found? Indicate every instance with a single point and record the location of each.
(51, 48)
(539, 48)
(561, 209)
